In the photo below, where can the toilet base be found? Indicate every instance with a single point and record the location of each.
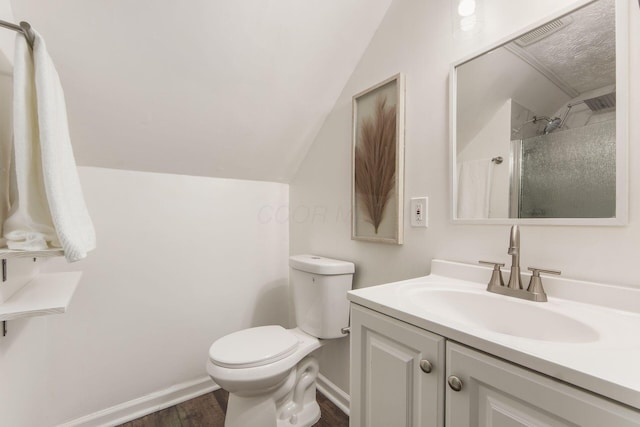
(260, 412)
(250, 411)
(309, 415)
(291, 404)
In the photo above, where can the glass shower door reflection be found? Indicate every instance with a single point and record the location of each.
(565, 174)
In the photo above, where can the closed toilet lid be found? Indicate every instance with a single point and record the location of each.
(253, 347)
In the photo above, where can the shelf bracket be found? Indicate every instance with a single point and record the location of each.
(4, 268)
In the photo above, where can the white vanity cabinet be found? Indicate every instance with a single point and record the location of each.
(500, 394)
(397, 373)
(389, 388)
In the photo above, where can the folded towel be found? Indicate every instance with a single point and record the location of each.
(42, 138)
(474, 189)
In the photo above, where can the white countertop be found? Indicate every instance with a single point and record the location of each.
(608, 364)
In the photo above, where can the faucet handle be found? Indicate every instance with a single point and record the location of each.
(496, 265)
(536, 271)
(496, 276)
(535, 284)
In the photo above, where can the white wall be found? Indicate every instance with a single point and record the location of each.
(416, 38)
(7, 37)
(180, 262)
(23, 357)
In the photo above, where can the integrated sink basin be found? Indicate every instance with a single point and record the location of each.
(498, 313)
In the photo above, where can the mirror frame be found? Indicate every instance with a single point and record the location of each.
(622, 125)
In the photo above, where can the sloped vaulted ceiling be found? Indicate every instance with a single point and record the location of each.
(232, 89)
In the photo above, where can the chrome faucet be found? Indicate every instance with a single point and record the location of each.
(534, 292)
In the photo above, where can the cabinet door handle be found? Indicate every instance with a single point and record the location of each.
(426, 366)
(455, 383)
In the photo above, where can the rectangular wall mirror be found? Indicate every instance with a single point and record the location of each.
(539, 123)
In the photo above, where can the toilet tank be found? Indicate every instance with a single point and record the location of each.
(319, 286)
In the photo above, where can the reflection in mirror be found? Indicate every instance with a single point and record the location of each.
(546, 103)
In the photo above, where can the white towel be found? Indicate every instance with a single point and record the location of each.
(49, 209)
(29, 225)
(474, 189)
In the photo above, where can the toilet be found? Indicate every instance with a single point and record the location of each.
(269, 371)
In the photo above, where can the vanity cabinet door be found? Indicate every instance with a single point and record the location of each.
(499, 394)
(389, 383)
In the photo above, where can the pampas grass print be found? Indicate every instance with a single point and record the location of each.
(375, 161)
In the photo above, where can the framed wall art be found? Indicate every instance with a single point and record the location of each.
(378, 163)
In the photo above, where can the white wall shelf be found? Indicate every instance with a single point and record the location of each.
(45, 253)
(5, 254)
(46, 294)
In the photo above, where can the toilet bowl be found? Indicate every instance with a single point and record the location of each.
(272, 386)
(269, 371)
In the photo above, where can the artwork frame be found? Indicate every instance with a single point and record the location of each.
(377, 162)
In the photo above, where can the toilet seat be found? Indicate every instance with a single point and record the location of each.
(253, 347)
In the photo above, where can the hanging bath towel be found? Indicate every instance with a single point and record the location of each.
(48, 209)
(474, 189)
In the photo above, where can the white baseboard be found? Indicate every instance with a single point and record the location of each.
(333, 393)
(145, 405)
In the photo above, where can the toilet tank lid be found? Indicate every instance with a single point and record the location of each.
(320, 265)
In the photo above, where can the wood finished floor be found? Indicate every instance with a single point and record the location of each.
(208, 411)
